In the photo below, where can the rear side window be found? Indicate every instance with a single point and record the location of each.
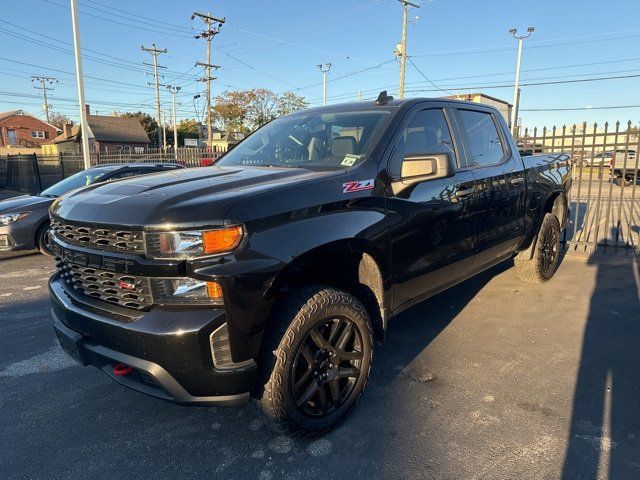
(483, 139)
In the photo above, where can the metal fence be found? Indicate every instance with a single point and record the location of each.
(604, 201)
(34, 173)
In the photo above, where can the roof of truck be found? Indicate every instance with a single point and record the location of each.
(395, 103)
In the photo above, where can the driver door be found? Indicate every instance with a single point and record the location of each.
(431, 222)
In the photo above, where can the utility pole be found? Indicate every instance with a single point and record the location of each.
(155, 52)
(84, 128)
(516, 87)
(44, 81)
(401, 48)
(325, 70)
(174, 90)
(208, 35)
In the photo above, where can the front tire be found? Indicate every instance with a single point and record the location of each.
(42, 240)
(315, 361)
(546, 254)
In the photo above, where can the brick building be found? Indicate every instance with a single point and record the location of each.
(18, 129)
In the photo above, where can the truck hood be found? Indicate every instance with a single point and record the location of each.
(23, 203)
(195, 197)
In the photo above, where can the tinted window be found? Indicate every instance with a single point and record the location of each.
(129, 172)
(427, 133)
(80, 179)
(483, 138)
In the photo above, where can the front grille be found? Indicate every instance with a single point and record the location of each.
(110, 239)
(121, 289)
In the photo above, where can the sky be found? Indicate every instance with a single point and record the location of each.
(455, 46)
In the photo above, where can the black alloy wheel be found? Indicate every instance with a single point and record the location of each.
(549, 251)
(327, 366)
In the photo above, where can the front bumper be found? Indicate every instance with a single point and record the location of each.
(169, 350)
(16, 237)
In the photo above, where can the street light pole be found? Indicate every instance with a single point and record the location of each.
(516, 87)
(324, 71)
(174, 90)
(80, 79)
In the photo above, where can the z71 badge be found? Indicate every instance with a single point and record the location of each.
(357, 186)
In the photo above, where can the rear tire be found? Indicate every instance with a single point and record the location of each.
(315, 361)
(42, 240)
(546, 254)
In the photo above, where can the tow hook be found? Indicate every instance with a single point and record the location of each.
(120, 370)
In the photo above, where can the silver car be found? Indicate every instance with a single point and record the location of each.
(24, 220)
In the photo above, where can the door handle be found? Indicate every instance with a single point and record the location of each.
(517, 181)
(465, 192)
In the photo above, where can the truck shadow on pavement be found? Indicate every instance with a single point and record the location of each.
(604, 437)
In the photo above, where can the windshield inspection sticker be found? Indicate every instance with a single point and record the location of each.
(350, 159)
(357, 186)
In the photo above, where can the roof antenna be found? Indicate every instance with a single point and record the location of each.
(383, 98)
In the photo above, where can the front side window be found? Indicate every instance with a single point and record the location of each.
(37, 134)
(331, 140)
(426, 134)
(483, 139)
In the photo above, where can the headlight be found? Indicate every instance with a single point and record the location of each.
(8, 218)
(186, 291)
(193, 243)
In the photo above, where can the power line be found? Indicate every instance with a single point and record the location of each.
(427, 78)
(136, 27)
(138, 18)
(566, 109)
(507, 48)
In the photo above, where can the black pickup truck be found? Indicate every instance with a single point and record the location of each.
(268, 276)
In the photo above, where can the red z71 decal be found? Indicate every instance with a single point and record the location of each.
(357, 186)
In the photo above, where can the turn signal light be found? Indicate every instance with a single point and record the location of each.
(221, 240)
(214, 290)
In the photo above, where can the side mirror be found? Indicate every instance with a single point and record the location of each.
(424, 167)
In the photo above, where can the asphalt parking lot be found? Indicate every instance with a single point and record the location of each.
(491, 379)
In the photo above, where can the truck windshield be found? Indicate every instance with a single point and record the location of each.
(330, 140)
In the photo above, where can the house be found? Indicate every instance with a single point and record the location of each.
(20, 130)
(503, 106)
(107, 135)
(224, 141)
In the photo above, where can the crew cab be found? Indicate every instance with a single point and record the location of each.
(268, 276)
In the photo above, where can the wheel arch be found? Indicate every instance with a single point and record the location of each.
(353, 265)
(556, 204)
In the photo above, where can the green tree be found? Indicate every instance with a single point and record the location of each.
(262, 107)
(289, 102)
(230, 111)
(188, 127)
(247, 110)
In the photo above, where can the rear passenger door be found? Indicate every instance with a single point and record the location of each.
(500, 182)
